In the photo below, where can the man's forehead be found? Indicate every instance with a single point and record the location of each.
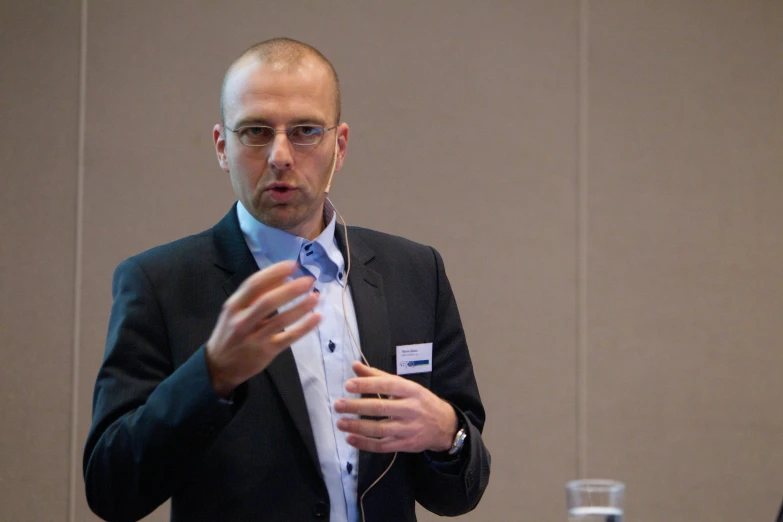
(252, 79)
(278, 65)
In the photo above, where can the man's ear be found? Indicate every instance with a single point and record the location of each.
(219, 139)
(342, 145)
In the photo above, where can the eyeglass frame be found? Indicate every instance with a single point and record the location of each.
(287, 132)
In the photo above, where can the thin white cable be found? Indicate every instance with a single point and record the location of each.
(356, 344)
(345, 311)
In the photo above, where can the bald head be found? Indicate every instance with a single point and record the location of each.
(283, 52)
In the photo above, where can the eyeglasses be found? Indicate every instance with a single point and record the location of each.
(300, 135)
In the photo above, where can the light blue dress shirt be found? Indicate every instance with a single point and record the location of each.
(323, 356)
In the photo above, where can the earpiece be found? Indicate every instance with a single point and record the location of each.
(334, 164)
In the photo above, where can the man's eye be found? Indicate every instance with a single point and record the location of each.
(257, 131)
(256, 135)
(306, 131)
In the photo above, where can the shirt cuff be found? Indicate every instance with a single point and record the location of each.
(448, 464)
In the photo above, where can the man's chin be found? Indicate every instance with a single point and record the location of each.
(292, 218)
(284, 218)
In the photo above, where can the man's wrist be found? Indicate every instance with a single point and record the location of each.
(223, 389)
(450, 433)
(453, 453)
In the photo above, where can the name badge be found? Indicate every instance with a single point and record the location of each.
(414, 358)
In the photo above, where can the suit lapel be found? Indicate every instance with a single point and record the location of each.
(285, 376)
(235, 258)
(369, 302)
(374, 334)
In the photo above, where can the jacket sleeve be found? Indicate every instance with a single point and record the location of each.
(151, 423)
(455, 489)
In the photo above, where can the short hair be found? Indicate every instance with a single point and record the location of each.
(286, 50)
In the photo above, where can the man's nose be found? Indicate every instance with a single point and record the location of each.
(280, 153)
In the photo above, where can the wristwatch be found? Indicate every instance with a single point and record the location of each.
(459, 438)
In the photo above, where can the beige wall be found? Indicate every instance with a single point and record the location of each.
(604, 180)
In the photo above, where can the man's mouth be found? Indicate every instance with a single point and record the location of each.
(281, 193)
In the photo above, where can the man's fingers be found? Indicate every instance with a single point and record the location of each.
(260, 311)
(362, 370)
(375, 407)
(384, 385)
(282, 320)
(387, 445)
(375, 429)
(259, 283)
(282, 340)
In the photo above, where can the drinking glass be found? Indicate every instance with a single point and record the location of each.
(595, 500)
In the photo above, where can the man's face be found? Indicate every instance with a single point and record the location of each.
(281, 184)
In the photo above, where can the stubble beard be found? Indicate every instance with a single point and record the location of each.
(291, 215)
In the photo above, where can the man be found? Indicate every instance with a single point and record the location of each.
(233, 380)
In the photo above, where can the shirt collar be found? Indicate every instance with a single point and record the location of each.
(320, 257)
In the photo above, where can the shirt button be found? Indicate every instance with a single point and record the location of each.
(331, 346)
(320, 510)
(349, 467)
(308, 246)
(340, 275)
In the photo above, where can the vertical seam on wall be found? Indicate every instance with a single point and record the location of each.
(77, 280)
(582, 238)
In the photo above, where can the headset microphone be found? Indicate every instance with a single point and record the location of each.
(334, 164)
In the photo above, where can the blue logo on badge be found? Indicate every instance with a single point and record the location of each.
(418, 363)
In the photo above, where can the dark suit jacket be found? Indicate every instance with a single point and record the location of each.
(160, 431)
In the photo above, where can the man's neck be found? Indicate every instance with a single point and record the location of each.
(313, 228)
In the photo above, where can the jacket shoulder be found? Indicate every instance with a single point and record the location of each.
(381, 241)
(181, 255)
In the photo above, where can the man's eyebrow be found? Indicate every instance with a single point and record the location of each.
(306, 121)
(251, 121)
(248, 122)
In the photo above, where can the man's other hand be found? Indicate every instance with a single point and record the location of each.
(249, 333)
(415, 418)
